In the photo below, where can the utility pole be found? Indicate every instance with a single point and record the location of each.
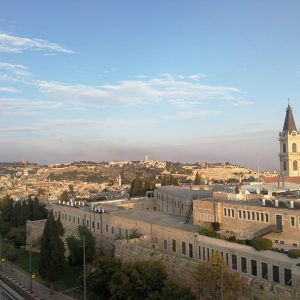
(30, 269)
(1, 251)
(84, 275)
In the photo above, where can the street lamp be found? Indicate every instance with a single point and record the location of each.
(218, 267)
(84, 273)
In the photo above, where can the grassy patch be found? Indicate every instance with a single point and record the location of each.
(23, 260)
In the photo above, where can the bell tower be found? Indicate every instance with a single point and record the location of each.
(289, 140)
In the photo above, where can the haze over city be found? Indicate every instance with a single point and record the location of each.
(113, 80)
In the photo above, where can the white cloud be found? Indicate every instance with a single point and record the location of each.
(181, 92)
(18, 70)
(8, 90)
(193, 114)
(15, 44)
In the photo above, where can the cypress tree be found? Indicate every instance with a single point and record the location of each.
(197, 179)
(52, 259)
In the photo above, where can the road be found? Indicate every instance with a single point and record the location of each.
(22, 278)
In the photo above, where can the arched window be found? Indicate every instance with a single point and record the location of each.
(284, 147)
(294, 147)
(295, 165)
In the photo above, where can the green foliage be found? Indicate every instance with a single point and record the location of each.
(109, 278)
(138, 280)
(75, 246)
(6, 207)
(140, 186)
(197, 179)
(52, 260)
(293, 253)
(173, 290)
(260, 243)
(64, 196)
(134, 234)
(169, 180)
(17, 236)
(9, 252)
(100, 273)
(208, 231)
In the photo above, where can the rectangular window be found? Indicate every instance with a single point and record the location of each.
(165, 245)
(253, 215)
(93, 224)
(174, 245)
(292, 221)
(199, 253)
(244, 264)
(62, 216)
(240, 214)
(248, 214)
(288, 277)
(264, 270)
(225, 212)
(228, 212)
(234, 262)
(207, 252)
(275, 274)
(106, 228)
(203, 252)
(253, 267)
(74, 219)
(267, 218)
(244, 214)
(69, 218)
(87, 223)
(183, 249)
(262, 217)
(77, 220)
(191, 250)
(227, 259)
(257, 216)
(232, 213)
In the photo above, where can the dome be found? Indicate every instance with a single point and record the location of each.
(203, 175)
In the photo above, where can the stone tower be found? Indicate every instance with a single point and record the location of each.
(289, 140)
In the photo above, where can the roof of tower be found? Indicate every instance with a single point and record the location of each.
(289, 122)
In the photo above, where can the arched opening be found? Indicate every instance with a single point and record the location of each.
(295, 165)
(284, 147)
(294, 147)
(284, 166)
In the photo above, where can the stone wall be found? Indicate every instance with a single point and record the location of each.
(182, 269)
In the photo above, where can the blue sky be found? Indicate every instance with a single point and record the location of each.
(180, 80)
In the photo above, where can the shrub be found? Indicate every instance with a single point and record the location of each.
(260, 243)
(208, 231)
(10, 253)
(293, 253)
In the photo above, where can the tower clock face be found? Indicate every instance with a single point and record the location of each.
(294, 133)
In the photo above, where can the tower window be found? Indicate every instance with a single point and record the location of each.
(284, 148)
(295, 165)
(284, 166)
(294, 147)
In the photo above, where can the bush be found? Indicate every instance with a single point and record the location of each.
(261, 244)
(208, 231)
(10, 253)
(293, 253)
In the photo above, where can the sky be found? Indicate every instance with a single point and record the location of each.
(179, 80)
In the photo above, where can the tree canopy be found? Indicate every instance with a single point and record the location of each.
(139, 187)
(197, 179)
(75, 246)
(52, 259)
(208, 276)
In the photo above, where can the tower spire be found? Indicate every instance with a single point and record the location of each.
(289, 122)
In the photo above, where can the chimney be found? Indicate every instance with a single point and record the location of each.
(292, 204)
(276, 202)
(263, 202)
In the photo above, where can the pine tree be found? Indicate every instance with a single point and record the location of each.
(52, 259)
(197, 179)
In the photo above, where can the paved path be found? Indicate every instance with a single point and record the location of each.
(40, 291)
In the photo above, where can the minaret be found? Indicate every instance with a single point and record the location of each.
(289, 140)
